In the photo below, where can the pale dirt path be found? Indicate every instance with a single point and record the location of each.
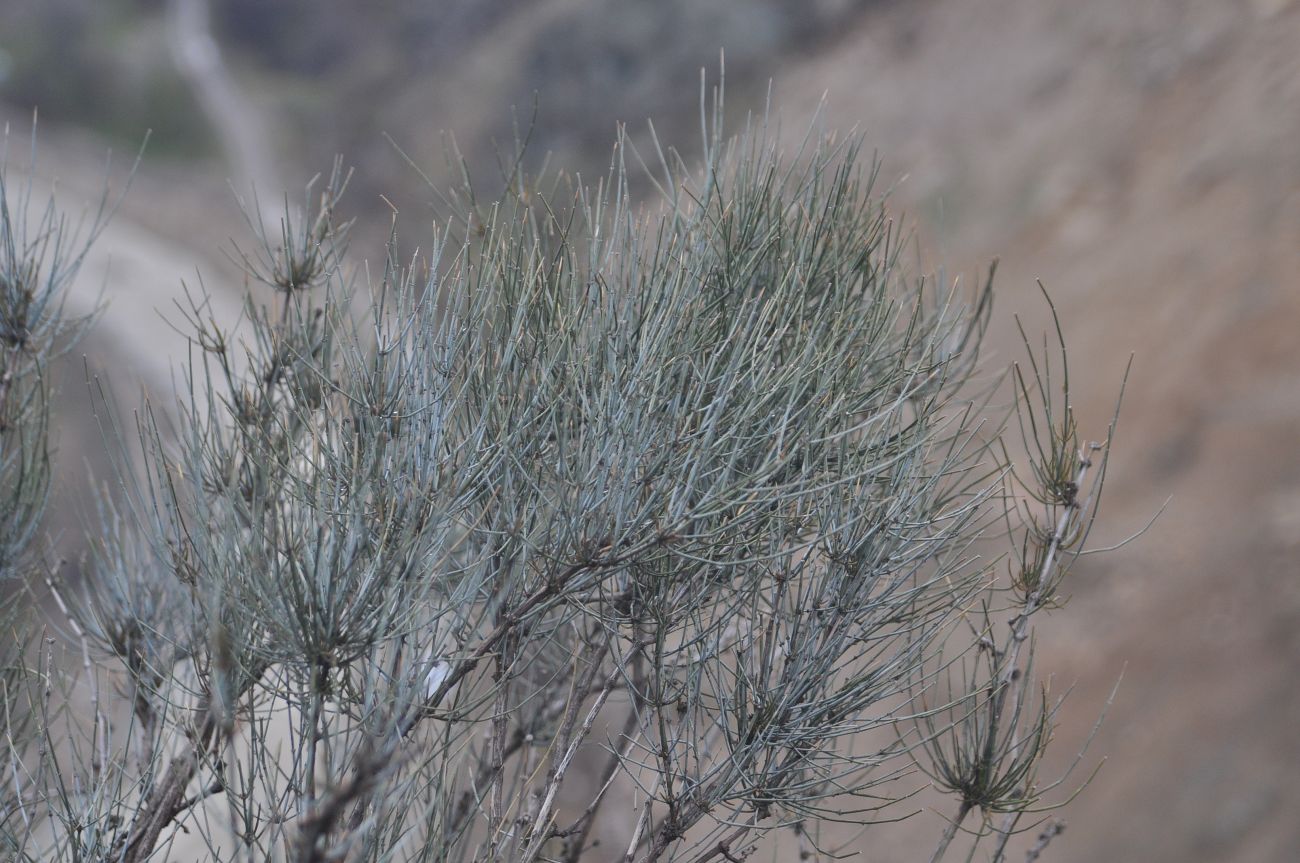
(131, 281)
(135, 278)
(234, 118)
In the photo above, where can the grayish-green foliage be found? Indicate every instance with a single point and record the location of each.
(706, 500)
(41, 251)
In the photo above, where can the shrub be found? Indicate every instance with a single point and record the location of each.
(710, 496)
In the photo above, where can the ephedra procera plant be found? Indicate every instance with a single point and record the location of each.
(597, 530)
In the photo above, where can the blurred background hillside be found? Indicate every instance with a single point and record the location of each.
(1141, 159)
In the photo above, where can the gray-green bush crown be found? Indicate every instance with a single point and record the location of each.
(705, 502)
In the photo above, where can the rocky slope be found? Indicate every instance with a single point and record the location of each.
(1141, 161)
